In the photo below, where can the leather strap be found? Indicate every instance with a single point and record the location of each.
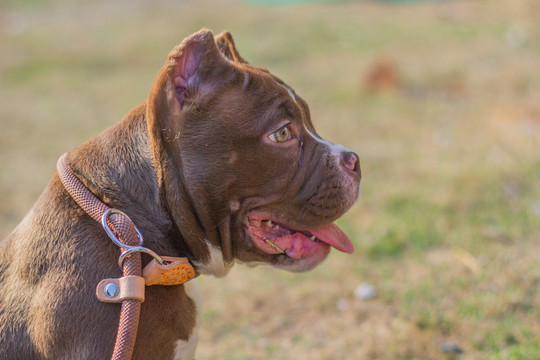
(174, 271)
(118, 290)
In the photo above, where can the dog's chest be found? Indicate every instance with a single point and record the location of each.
(185, 349)
(168, 324)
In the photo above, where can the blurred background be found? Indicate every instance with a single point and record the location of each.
(441, 100)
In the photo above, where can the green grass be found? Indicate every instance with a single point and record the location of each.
(447, 228)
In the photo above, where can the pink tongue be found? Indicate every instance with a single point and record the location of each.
(333, 236)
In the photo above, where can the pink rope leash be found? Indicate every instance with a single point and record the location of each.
(124, 229)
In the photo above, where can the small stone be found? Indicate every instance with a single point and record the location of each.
(451, 347)
(365, 291)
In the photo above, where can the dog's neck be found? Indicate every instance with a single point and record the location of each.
(124, 176)
(204, 223)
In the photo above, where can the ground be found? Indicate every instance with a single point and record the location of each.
(440, 101)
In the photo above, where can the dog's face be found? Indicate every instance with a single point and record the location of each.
(249, 157)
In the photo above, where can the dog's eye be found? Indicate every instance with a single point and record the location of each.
(281, 135)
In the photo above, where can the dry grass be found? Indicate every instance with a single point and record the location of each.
(448, 225)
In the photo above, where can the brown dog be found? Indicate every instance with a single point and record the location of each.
(220, 164)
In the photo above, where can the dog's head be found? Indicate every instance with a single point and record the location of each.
(244, 174)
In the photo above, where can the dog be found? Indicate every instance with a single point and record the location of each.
(221, 164)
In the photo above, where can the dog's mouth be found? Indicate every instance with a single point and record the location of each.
(274, 237)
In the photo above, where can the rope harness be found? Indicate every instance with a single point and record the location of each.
(129, 289)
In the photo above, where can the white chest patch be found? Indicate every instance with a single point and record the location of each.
(215, 265)
(185, 350)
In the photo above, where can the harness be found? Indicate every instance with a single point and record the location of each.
(128, 289)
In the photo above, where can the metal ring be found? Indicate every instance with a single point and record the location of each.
(138, 249)
(113, 237)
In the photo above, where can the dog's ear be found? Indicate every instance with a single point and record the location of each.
(225, 44)
(186, 75)
(193, 62)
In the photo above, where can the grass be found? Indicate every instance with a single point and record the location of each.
(447, 228)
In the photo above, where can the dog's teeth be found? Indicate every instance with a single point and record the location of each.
(275, 227)
(312, 238)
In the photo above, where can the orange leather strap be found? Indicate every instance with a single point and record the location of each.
(173, 271)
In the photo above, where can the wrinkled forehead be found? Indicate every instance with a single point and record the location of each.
(269, 88)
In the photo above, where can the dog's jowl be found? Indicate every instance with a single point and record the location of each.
(221, 164)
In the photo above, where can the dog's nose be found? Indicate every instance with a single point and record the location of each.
(350, 161)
